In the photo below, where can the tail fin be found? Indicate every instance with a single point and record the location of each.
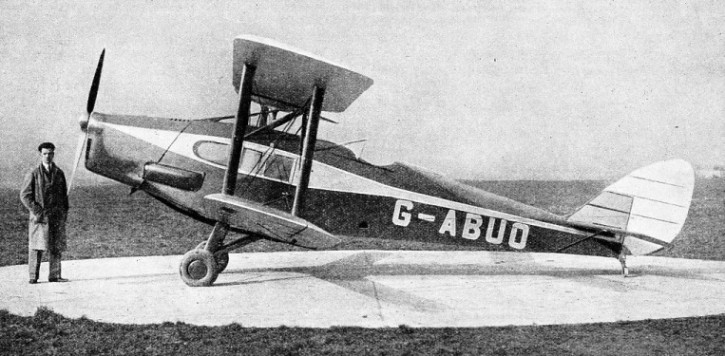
(649, 206)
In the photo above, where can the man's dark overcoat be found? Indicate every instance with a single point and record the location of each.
(44, 194)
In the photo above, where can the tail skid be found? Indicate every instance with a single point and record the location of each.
(648, 207)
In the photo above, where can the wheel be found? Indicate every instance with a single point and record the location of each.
(198, 268)
(221, 258)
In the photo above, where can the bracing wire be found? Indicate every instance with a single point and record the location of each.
(267, 155)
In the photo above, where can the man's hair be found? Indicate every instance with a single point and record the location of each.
(47, 145)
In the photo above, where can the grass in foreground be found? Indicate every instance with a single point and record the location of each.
(50, 333)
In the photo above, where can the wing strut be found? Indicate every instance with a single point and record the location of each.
(240, 127)
(216, 238)
(308, 148)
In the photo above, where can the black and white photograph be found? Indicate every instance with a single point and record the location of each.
(362, 177)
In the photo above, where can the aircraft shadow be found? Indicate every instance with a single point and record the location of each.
(353, 273)
(365, 264)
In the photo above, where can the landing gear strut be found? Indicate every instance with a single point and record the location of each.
(220, 257)
(623, 261)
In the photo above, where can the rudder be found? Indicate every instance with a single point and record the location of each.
(650, 203)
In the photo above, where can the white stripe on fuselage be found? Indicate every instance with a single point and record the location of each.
(325, 177)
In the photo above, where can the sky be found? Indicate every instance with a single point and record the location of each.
(471, 89)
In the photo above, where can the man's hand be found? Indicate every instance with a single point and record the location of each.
(40, 217)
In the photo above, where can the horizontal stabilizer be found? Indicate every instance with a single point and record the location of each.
(262, 220)
(285, 76)
(649, 205)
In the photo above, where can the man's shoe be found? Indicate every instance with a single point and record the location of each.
(33, 281)
(59, 280)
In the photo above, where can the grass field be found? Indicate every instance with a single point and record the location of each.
(107, 222)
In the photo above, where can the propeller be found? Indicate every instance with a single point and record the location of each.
(85, 118)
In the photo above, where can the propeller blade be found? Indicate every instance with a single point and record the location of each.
(94, 87)
(84, 119)
(79, 154)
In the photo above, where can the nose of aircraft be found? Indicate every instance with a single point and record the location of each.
(85, 118)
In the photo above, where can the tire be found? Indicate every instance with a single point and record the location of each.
(221, 258)
(198, 268)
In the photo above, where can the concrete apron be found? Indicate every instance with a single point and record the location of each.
(377, 289)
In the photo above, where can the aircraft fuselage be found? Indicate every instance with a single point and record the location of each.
(346, 196)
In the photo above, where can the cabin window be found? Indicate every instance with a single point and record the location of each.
(275, 167)
(254, 120)
(213, 152)
(250, 161)
(279, 167)
(219, 153)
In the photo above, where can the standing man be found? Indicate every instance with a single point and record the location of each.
(45, 194)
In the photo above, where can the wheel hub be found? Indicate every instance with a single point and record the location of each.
(197, 269)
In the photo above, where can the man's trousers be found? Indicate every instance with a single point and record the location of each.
(34, 259)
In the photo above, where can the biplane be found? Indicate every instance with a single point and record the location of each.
(251, 176)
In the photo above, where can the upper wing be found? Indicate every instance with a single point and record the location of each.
(285, 76)
(260, 219)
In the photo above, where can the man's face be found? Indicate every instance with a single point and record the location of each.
(47, 155)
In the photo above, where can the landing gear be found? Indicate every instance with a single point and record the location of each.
(201, 266)
(623, 261)
(222, 260)
(198, 268)
(220, 257)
